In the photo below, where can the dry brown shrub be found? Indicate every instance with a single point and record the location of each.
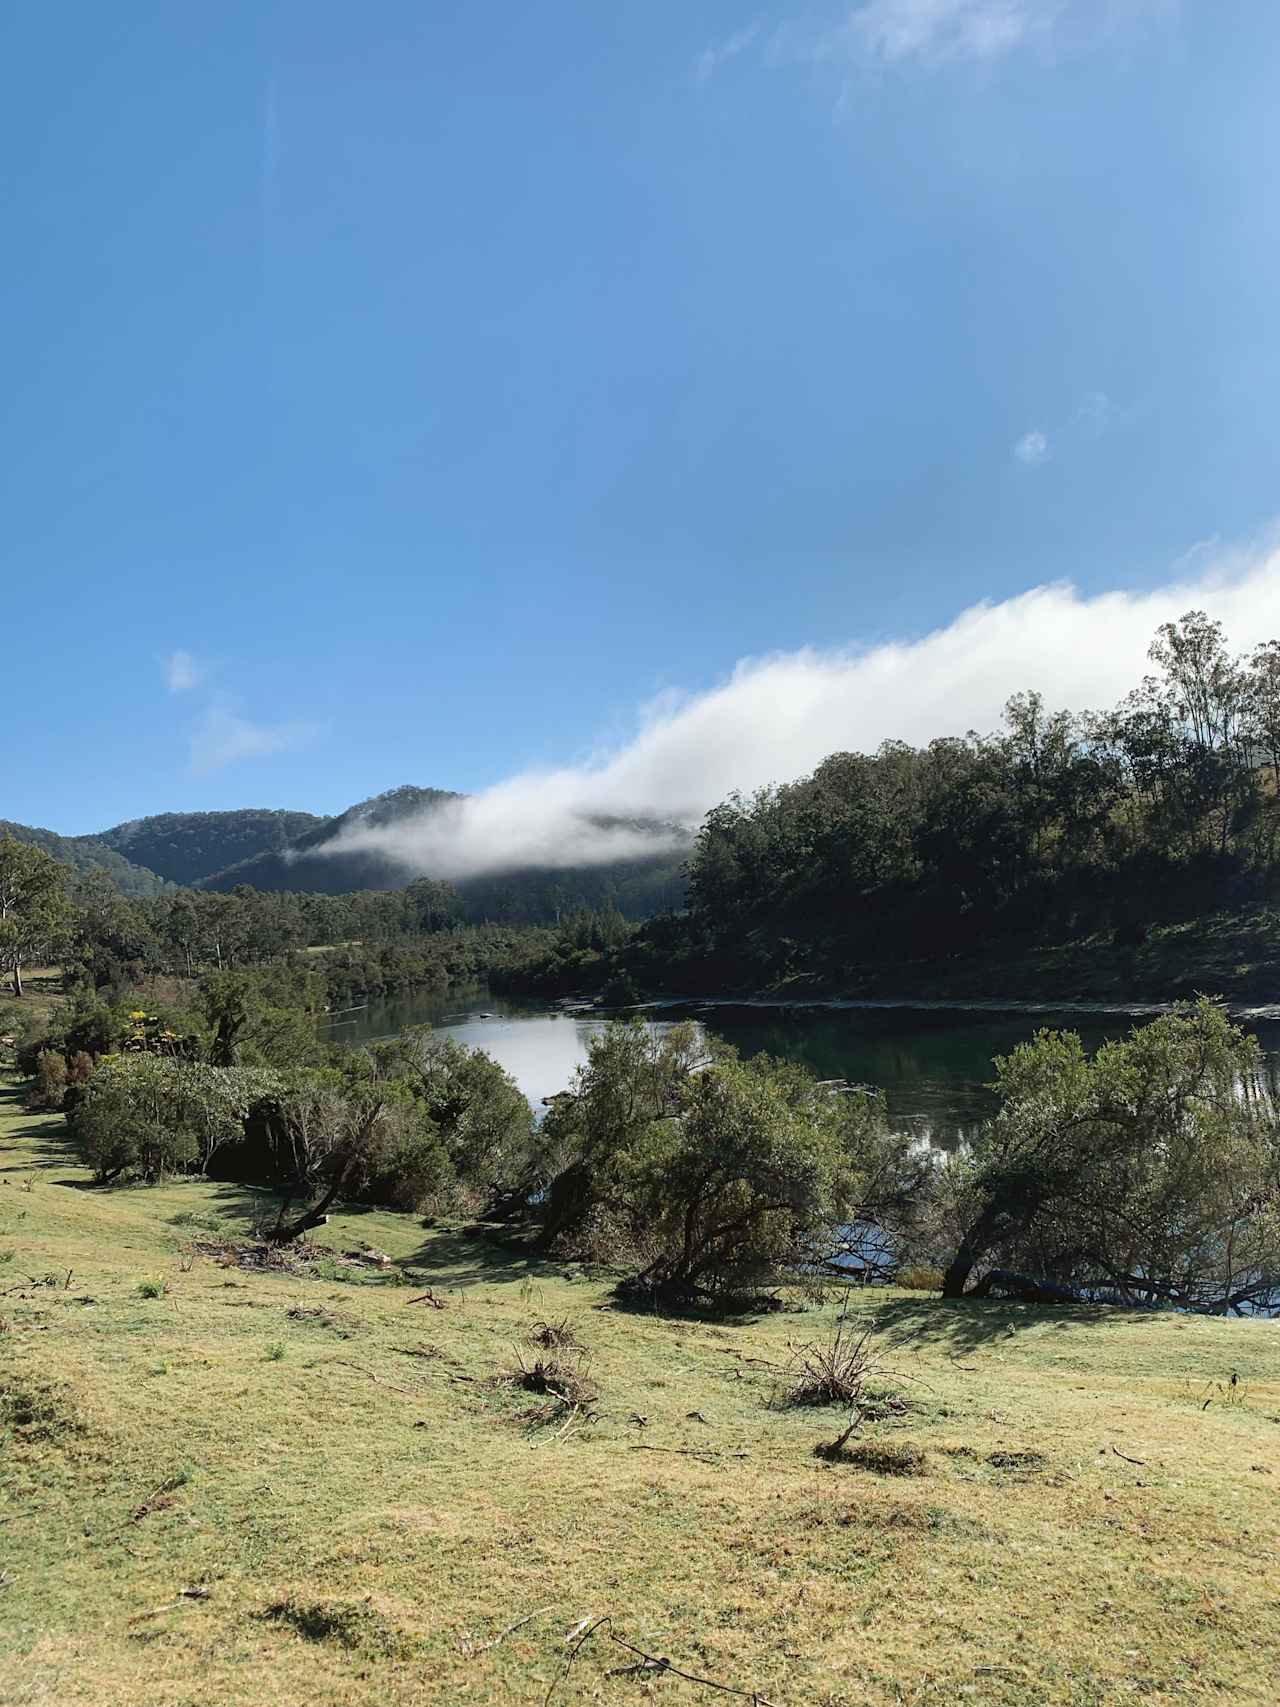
(834, 1373)
(556, 1336)
(564, 1378)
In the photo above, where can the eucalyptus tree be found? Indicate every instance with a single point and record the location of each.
(34, 912)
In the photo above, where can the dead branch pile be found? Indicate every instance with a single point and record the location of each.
(831, 1373)
(556, 1336)
(257, 1254)
(564, 1378)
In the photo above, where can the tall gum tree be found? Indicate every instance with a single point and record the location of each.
(34, 911)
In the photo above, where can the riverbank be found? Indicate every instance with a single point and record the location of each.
(1235, 956)
(230, 1485)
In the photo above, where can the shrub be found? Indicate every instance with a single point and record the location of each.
(834, 1373)
(80, 1067)
(918, 1277)
(718, 1174)
(556, 1336)
(49, 1087)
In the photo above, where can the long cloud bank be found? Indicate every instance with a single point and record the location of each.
(776, 717)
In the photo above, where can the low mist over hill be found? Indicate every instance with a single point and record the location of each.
(559, 865)
(387, 841)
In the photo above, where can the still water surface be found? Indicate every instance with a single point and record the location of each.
(933, 1064)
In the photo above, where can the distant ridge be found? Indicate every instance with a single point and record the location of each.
(295, 863)
(275, 850)
(187, 847)
(89, 853)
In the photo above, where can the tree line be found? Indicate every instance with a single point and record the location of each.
(1147, 1174)
(1055, 826)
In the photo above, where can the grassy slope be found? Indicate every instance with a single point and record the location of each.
(397, 1513)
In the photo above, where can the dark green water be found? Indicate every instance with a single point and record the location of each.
(932, 1064)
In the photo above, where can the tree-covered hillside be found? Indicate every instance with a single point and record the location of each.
(297, 863)
(185, 847)
(636, 887)
(1056, 829)
(89, 853)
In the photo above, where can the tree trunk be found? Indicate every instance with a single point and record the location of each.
(315, 1216)
(973, 1247)
(958, 1271)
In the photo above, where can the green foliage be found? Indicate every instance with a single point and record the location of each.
(483, 1120)
(1152, 1169)
(707, 1173)
(184, 847)
(88, 855)
(1055, 827)
(144, 1115)
(34, 912)
(49, 1087)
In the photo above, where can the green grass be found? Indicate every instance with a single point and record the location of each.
(357, 1508)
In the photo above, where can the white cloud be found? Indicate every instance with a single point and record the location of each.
(775, 718)
(940, 32)
(1032, 448)
(950, 29)
(712, 58)
(182, 672)
(223, 737)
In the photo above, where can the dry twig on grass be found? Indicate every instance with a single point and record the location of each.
(708, 1454)
(469, 1649)
(157, 1499)
(1126, 1457)
(645, 1665)
(341, 1363)
(195, 1592)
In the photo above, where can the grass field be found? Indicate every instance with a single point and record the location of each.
(360, 1511)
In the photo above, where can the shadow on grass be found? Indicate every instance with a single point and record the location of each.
(465, 1256)
(50, 1144)
(960, 1325)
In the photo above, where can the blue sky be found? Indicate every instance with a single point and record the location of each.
(416, 393)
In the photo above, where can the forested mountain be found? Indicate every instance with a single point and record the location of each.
(89, 853)
(296, 863)
(279, 852)
(185, 847)
(636, 887)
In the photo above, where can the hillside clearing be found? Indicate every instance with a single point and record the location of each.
(233, 1486)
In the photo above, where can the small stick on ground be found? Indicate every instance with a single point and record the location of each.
(156, 1498)
(428, 1297)
(647, 1664)
(341, 1363)
(1126, 1457)
(193, 1593)
(470, 1649)
(708, 1454)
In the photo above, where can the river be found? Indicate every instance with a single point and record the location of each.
(932, 1063)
